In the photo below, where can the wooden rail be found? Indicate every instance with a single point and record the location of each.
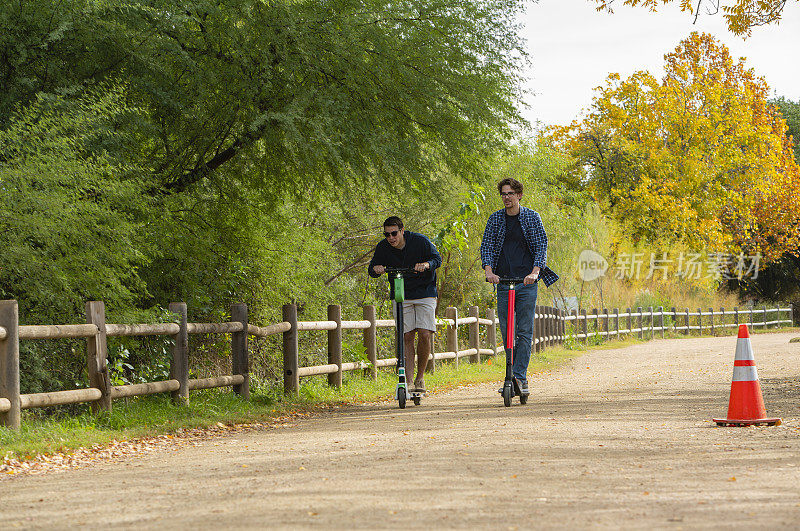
(650, 320)
(550, 328)
(58, 398)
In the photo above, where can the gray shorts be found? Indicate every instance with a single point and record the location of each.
(418, 313)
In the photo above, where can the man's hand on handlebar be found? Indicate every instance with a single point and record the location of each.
(422, 266)
(490, 276)
(533, 277)
(379, 269)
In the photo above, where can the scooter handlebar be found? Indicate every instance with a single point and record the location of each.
(403, 270)
(508, 281)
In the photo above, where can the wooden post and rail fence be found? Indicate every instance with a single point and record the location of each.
(550, 328)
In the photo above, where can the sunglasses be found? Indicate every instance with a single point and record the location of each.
(392, 234)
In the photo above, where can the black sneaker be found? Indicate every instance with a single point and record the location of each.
(523, 387)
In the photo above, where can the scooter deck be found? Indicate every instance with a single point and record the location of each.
(412, 394)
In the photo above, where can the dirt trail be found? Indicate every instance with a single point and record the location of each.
(618, 438)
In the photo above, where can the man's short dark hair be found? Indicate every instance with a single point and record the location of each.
(393, 220)
(513, 183)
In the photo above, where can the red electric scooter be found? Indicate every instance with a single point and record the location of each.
(511, 387)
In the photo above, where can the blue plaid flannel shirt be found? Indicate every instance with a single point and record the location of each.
(535, 237)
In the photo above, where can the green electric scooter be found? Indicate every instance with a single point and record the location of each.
(403, 392)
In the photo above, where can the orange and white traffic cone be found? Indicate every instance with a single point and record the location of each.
(746, 404)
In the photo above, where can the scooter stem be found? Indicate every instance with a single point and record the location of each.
(510, 321)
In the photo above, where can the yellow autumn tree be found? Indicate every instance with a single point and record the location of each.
(699, 157)
(740, 15)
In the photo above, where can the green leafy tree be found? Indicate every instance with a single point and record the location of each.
(70, 213)
(310, 93)
(72, 219)
(790, 110)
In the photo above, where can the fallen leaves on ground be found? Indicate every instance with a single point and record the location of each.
(11, 466)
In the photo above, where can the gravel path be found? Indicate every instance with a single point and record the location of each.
(617, 438)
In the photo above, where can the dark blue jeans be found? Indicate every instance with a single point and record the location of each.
(524, 309)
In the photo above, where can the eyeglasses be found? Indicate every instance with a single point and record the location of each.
(507, 194)
(392, 234)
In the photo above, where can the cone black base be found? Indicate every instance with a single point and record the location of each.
(753, 422)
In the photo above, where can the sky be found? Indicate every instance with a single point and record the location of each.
(573, 48)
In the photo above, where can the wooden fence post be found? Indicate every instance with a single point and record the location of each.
(595, 316)
(545, 327)
(629, 319)
(606, 328)
(551, 326)
(574, 314)
(491, 332)
(541, 326)
(474, 335)
(699, 321)
(291, 379)
(640, 322)
(711, 317)
(452, 332)
(335, 344)
(179, 368)
(674, 319)
(585, 327)
(558, 319)
(661, 320)
(616, 323)
(97, 356)
(239, 350)
(371, 340)
(561, 326)
(9, 364)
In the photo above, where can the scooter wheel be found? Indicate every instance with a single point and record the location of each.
(523, 399)
(507, 395)
(416, 400)
(401, 398)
